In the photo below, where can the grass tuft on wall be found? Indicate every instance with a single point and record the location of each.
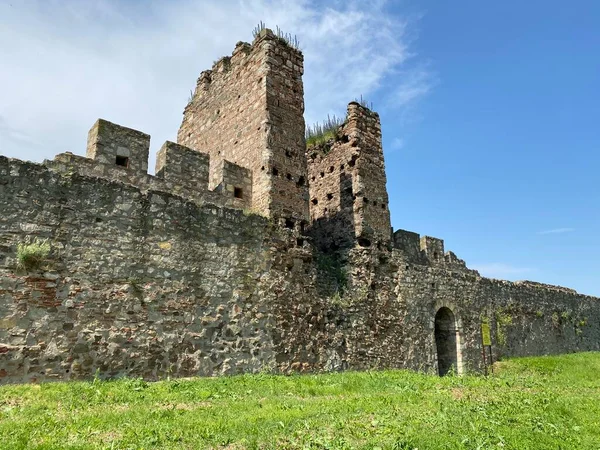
(31, 256)
(320, 133)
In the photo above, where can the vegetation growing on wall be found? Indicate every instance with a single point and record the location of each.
(364, 103)
(579, 324)
(291, 40)
(503, 320)
(555, 320)
(331, 267)
(31, 256)
(320, 133)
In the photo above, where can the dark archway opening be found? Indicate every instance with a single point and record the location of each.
(445, 340)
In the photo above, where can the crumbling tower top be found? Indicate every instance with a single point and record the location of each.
(249, 109)
(348, 195)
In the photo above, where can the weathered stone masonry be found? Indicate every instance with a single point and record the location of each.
(216, 266)
(249, 110)
(348, 198)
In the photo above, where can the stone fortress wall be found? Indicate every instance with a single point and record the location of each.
(207, 269)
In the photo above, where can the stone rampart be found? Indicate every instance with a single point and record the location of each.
(143, 282)
(120, 154)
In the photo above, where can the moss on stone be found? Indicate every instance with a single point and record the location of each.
(503, 320)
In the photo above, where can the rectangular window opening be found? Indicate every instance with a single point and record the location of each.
(238, 192)
(122, 161)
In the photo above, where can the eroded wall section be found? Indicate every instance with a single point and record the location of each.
(348, 195)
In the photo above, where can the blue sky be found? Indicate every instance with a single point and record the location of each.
(489, 109)
(501, 158)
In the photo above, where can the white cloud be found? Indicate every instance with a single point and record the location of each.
(413, 85)
(67, 62)
(501, 270)
(397, 144)
(556, 231)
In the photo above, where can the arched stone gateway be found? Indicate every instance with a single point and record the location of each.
(446, 341)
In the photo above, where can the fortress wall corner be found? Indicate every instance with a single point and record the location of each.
(409, 242)
(235, 184)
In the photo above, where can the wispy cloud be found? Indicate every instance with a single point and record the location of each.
(397, 144)
(68, 62)
(557, 231)
(501, 270)
(8, 134)
(413, 85)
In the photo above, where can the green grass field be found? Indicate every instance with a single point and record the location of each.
(531, 403)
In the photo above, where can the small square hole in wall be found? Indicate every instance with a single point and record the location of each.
(122, 161)
(238, 192)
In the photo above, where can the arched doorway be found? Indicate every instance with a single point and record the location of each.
(446, 341)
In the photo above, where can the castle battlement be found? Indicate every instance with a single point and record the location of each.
(120, 154)
(426, 250)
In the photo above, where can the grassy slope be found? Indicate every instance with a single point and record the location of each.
(532, 403)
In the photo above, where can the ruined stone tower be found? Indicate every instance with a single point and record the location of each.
(249, 110)
(348, 196)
